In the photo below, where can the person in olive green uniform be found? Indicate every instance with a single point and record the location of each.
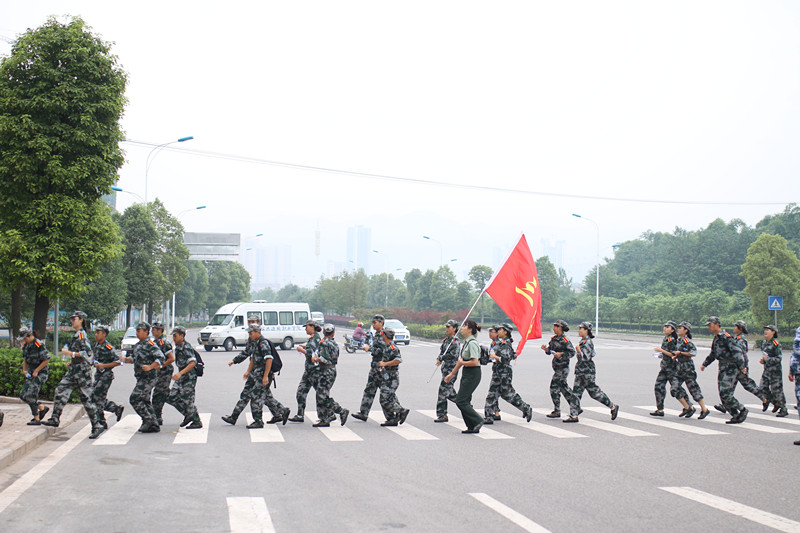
(772, 378)
(729, 355)
(470, 378)
(147, 359)
(310, 375)
(448, 355)
(105, 359)
(376, 349)
(78, 376)
(164, 374)
(181, 394)
(743, 377)
(562, 350)
(35, 361)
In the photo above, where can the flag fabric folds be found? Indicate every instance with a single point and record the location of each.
(515, 288)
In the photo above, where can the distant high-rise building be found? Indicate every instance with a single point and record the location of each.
(555, 251)
(359, 248)
(269, 266)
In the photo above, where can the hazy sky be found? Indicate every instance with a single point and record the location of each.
(639, 100)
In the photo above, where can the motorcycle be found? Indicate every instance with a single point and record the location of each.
(351, 344)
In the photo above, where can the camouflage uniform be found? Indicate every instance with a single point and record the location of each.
(668, 374)
(181, 395)
(163, 377)
(772, 378)
(794, 366)
(254, 391)
(104, 353)
(327, 407)
(585, 373)
(729, 355)
(310, 376)
(78, 376)
(448, 355)
(34, 354)
(559, 385)
(502, 375)
(375, 378)
(748, 383)
(390, 381)
(145, 353)
(687, 373)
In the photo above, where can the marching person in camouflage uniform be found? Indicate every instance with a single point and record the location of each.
(310, 375)
(794, 371)
(743, 377)
(376, 348)
(35, 359)
(503, 388)
(78, 376)
(257, 378)
(668, 372)
(494, 383)
(772, 378)
(448, 355)
(561, 349)
(105, 358)
(164, 374)
(684, 353)
(729, 354)
(390, 380)
(147, 359)
(181, 395)
(585, 371)
(327, 407)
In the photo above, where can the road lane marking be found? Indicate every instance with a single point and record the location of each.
(547, 429)
(335, 433)
(405, 430)
(194, 436)
(16, 489)
(120, 433)
(791, 419)
(249, 515)
(455, 422)
(660, 422)
(605, 426)
(735, 508)
(715, 420)
(510, 514)
(269, 433)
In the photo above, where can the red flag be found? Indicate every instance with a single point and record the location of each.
(515, 288)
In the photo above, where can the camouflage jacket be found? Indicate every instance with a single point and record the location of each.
(79, 344)
(145, 353)
(669, 343)
(105, 353)
(312, 346)
(328, 352)
(259, 351)
(165, 346)
(453, 347)
(504, 349)
(559, 343)
(184, 354)
(772, 353)
(686, 345)
(725, 350)
(391, 353)
(377, 347)
(35, 353)
(585, 354)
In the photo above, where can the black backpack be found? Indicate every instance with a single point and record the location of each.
(484, 359)
(199, 366)
(277, 364)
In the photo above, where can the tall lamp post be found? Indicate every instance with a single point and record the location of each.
(152, 155)
(597, 286)
(440, 248)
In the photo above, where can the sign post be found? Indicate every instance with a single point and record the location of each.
(775, 303)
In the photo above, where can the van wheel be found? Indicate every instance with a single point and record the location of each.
(208, 348)
(287, 343)
(229, 344)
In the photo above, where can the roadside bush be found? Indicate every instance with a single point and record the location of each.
(12, 378)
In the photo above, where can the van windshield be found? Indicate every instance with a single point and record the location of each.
(220, 320)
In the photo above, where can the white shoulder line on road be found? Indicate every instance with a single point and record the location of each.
(120, 433)
(507, 512)
(791, 419)
(194, 436)
(729, 506)
(657, 421)
(455, 422)
(335, 433)
(249, 515)
(605, 426)
(269, 433)
(405, 430)
(547, 429)
(712, 418)
(26, 481)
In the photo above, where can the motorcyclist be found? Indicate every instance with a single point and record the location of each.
(358, 333)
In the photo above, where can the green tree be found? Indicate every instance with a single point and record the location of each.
(443, 289)
(480, 276)
(771, 269)
(548, 283)
(267, 294)
(422, 292)
(228, 282)
(352, 291)
(192, 298)
(170, 252)
(293, 293)
(141, 271)
(105, 295)
(61, 99)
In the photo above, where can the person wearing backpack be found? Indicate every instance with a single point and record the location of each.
(181, 395)
(327, 407)
(470, 378)
(501, 387)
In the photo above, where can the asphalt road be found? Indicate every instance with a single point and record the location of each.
(637, 473)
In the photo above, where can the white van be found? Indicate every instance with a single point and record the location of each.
(282, 323)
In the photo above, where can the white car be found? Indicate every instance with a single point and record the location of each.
(318, 317)
(401, 333)
(129, 340)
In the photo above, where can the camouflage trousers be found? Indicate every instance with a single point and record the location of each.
(162, 389)
(309, 379)
(726, 383)
(373, 384)
(749, 384)
(327, 407)
(585, 380)
(254, 393)
(559, 386)
(687, 373)
(275, 407)
(797, 391)
(82, 382)
(500, 387)
(30, 391)
(447, 391)
(181, 396)
(667, 376)
(102, 382)
(141, 396)
(390, 380)
(772, 384)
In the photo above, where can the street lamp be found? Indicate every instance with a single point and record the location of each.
(440, 247)
(190, 209)
(386, 300)
(597, 287)
(119, 189)
(152, 155)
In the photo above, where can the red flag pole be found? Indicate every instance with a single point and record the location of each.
(458, 330)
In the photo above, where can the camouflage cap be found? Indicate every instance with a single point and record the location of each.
(672, 324)
(742, 325)
(562, 324)
(180, 330)
(586, 325)
(158, 325)
(773, 328)
(314, 324)
(506, 326)
(686, 325)
(104, 329)
(79, 314)
(495, 327)
(452, 323)
(143, 325)
(329, 328)
(379, 318)
(389, 332)
(712, 320)
(24, 333)
(253, 327)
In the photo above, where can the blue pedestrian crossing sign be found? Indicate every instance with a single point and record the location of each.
(775, 303)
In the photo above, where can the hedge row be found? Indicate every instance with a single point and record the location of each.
(12, 378)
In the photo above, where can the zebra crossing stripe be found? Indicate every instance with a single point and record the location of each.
(606, 426)
(249, 515)
(507, 512)
(269, 433)
(746, 425)
(653, 421)
(405, 430)
(194, 436)
(455, 422)
(791, 419)
(547, 429)
(120, 433)
(335, 433)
